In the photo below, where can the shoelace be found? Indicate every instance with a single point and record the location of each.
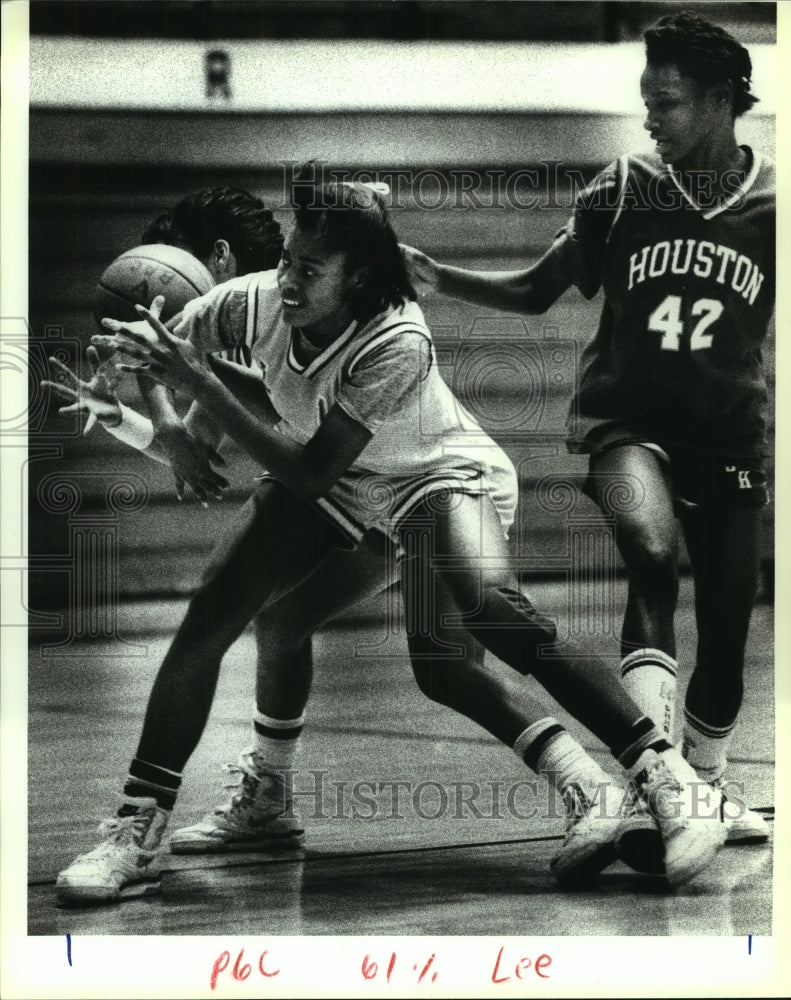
(120, 829)
(235, 775)
(632, 803)
(659, 770)
(576, 803)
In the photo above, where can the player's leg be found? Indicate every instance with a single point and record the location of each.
(462, 544)
(258, 815)
(464, 547)
(646, 533)
(724, 548)
(451, 668)
(284, 628)
(279, 544)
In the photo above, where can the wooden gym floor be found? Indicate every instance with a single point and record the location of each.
(414, 862)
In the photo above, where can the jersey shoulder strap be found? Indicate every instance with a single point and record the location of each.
(386, 327)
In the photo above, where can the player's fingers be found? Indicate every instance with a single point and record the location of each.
(104, 352)
(134, 350)
(65, 375)
(89, 424)
(156, 325)
(179, 488)
(216, 484)
(63, 391)
(210, 482)
(215, 457)
(125, 334)
(200, 493)
(210, 490)
(93, 359)
(106, 341)
(142, 369)
(64, 411)
(157, 306)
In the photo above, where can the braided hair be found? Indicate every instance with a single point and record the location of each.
(352, 218)
(705, 53)
(227, 213)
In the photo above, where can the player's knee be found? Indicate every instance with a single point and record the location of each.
(654, 565)
(209, 618)
(509, 606)
(434, 681)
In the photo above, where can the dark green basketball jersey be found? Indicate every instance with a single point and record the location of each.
(689, 293)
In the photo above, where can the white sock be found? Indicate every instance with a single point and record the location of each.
(649, 676)
(276, 741)
(706, 747)
(547, 748)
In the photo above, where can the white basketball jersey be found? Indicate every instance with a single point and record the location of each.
(383, 373)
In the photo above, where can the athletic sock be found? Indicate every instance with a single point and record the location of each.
(706, 747)
(644, 741)
(649, 676)
(549, 749)
(276, 741)
(150, 781)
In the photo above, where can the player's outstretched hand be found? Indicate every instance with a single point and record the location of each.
(97, 397)
(128, 333)
(165, 358)
(421, 268)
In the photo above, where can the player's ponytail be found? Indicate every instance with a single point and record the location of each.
(352, 217)
(703, 52)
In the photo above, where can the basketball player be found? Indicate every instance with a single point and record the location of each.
(231, 232)
(488, 693)
(673, 391)
(368, 436)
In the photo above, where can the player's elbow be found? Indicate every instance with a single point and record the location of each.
(534, 296)
(534, 302)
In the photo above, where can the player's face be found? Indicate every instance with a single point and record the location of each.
(313, 286)
(679, 115)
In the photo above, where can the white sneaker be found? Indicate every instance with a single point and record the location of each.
(589, 844)
(744, 825)
(125, 865)
(639, 840)
(688, 812)
(258, 816)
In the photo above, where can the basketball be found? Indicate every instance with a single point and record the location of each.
(139, 275)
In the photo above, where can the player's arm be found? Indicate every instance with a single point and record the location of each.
(531, 290)
(246, 386)
(158, 398)
(308, 470)
(189, 446)
(575, 257)
(97, 398)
